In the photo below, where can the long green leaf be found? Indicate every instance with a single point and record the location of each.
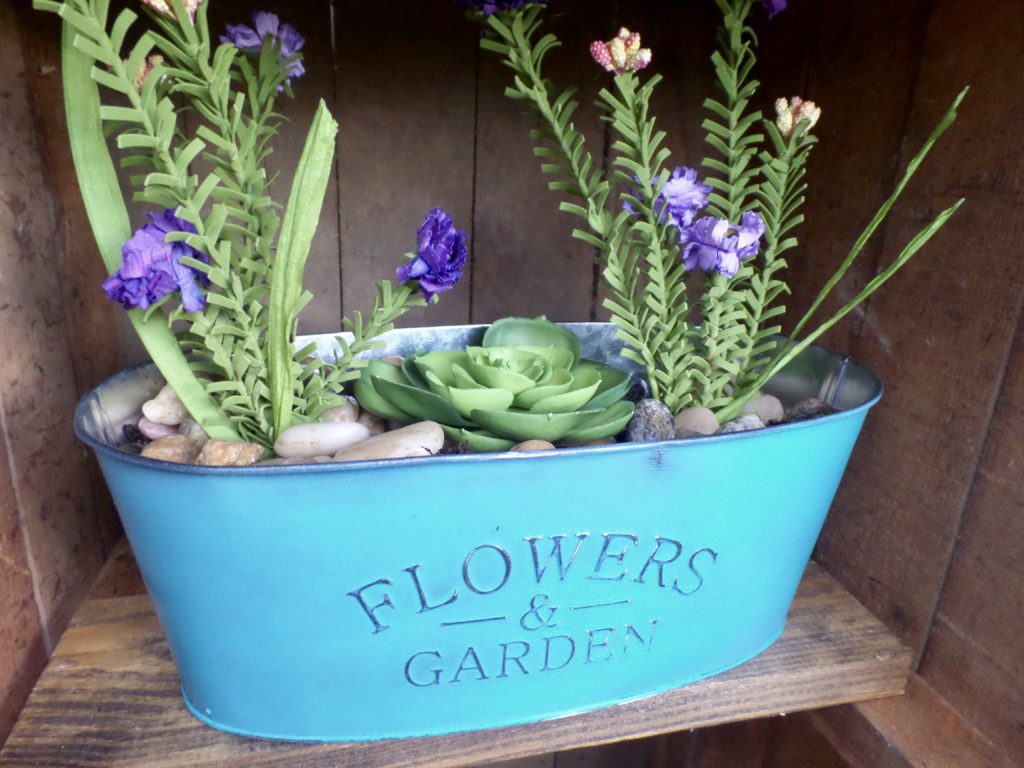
(297, 230)
(108, 217)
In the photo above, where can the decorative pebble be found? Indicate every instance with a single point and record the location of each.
(533, 445)
(190, 428)
(811, 408)
(132, 434)
(372, 422)
(165, 408)
(175, 448)
(422, 439)
(319, 439)
(152, 430)
(652, 420)
(229, 453)
(347, 411)
(745, 423)
(767, 408)
(696, 420)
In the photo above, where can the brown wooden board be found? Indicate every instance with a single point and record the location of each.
(940, 333)
(52, 486)
(110, 697)
(917, 730)
(405, 101)
(975, 655)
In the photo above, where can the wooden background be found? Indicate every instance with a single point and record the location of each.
(927, 529)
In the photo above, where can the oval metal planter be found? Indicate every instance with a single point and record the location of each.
(412, 597)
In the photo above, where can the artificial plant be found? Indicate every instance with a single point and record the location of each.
(213, 283)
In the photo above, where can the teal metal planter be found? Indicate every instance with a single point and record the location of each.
(412, 597)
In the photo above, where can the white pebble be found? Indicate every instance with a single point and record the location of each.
(319, 439)
(767, 408)
(742, 424)
(697, 419)
(165, 408)
(347, 411)
(422, 439)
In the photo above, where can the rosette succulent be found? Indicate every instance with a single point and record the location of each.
(525, 382)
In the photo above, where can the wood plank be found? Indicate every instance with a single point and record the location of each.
(110, 697)
(526, 261)
(52, 484)
(406, 97)
(974, 656)
(917, 730)
(940, 334)
(22, 651)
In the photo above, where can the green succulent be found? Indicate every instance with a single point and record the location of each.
(525, 382)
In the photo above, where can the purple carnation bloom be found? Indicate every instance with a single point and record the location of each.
(487, 7)
(684, 196)
(151, 267)
(265, 24)
(713, 244)
(440, 256)
(773, 6)
(680, 199)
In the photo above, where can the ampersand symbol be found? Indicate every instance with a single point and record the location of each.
(539, 615)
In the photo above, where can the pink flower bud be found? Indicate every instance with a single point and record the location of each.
(622, 53)
(791, 112)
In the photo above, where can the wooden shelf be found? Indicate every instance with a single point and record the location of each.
(110, 696)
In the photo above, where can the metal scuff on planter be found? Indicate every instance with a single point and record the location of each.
(411, 597)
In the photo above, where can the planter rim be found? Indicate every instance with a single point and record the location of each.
(84, 434)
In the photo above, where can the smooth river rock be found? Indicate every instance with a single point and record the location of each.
(696, 420)
(533, 445)
(424, 438)
(174, 448)
(229, 453)
(153, 430)
(347, 411)
(165, 408)
(319, 439)
(767, 408)
(746, 423)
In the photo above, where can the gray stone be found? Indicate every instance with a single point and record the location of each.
(165, 408)
(319, 439)
(190, 428)
(745, 423)
(767, 408)
(696, 420)
(424, 438)
(229, 453)
(652, 420)
(373, 422)
(174, 448)
(811, 408)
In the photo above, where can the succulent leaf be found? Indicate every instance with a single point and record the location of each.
(493, 396)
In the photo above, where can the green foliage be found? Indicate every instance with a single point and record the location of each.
(719, 352)
(233, 364)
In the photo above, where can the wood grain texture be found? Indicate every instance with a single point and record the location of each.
(110, 697)
(405, 101)
(53, 488)
(526, 261)
(940, 334)
(22, 651)
(917, 730)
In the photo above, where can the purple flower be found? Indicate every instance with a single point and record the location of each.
(265, 24)
(684, 196)
(151, 267)
(440, 256)
(487, 7)
(773, 6)
(713, 244)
